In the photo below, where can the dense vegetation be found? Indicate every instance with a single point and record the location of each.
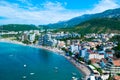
(18, 27)
(98, 25)
(117, 48)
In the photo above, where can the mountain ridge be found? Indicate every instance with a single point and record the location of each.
(96, 25)
(111, 13)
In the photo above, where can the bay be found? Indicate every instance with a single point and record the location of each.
(19, 62)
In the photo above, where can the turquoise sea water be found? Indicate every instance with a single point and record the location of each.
(18, 62)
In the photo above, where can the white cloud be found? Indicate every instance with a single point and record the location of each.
(53, 6)
(48, 12)
(103, 5)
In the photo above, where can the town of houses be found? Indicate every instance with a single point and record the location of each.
(97, 54)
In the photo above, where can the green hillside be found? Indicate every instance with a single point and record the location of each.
(98, 25)
(18, 27)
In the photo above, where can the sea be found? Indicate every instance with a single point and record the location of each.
(18, 62)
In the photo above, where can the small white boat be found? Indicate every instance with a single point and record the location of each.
(56, 67)
(32, 73)
(24, 77)
(74, 78)
(25, 65)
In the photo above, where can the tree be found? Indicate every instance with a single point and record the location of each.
(117, 54)
(110, 77)
(89, 62)
(117, 51)
(98, 47)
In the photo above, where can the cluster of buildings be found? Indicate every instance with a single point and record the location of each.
(47, 40)
(98, 52)
(28, 35)
(93, 35)
(11, 32)
(67, 35)
(56, 39)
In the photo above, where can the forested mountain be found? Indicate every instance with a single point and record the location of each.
(112, 13)
(98, 25)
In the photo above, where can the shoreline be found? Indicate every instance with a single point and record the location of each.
(81, 67)
(12, 41)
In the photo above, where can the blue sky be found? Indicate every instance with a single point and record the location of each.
(50, 11)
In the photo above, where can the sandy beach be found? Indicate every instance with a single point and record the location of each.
(12, 41)
(82, 67)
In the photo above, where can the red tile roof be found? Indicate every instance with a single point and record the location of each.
(103, 59)
(116, 62)
(94, 60)
(116, 77)
(109, 52)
